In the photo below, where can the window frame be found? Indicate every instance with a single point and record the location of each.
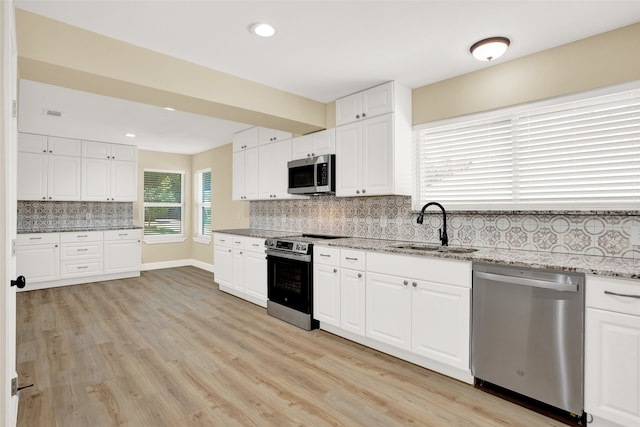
(512, 113)
(169, 238)
(198, 204)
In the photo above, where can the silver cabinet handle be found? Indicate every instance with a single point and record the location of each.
(83, 250)
(35, 238)
(123, 234)
(406, 282)
(326, 255)
(82, 235)
(359, 275)
(350, 259)
(622, 295)
(255, 244)
(83, 267)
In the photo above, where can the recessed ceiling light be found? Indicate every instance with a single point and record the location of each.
(169, 109)
(130, 135)
(490, 49)
(263, 29)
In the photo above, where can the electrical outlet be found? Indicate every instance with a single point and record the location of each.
(635, 235)
(87, 215)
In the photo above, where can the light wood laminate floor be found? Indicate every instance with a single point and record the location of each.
(170, 349)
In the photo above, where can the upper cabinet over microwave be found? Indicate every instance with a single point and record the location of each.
(366, 104)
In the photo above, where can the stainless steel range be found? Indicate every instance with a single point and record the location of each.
(290, 279)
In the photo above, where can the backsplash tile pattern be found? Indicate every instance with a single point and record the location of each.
(36, 216)
(589, 233)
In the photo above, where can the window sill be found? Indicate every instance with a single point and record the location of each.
(204, 240)
(154, 240)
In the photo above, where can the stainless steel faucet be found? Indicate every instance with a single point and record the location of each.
(442, 233)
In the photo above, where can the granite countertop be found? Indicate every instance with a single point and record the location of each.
(598, 265)
(71, 230)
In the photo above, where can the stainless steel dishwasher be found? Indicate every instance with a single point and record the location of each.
(528, 333)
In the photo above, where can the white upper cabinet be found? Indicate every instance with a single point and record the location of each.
(103, 150)
(369, 103)
(246, 139)
(266, 135)
(48, 168)
(314, 144)
(109, 171)
(245, 182)
(373, 154)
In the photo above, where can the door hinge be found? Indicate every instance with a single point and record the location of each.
(14, 386)
(13, 247)
(14, 108)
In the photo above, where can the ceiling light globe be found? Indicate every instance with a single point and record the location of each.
(490, 49)
(263, 30)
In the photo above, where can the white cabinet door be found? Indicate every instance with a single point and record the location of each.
(246, 139)
(349, 109)
(121, 256)
(441, 323)
(238, 176)
(349, 160)
(128, 153)
(282, 156)
(267, 136)
(377, 156)
(38, 263)
(377, 100)
(64, 146)
(32, 143)
(326, 294)
(32, 176)
(388, 309)
(123, 181)
(256, 275)
(223, 261)
(238, 269)
(64, 177)
(96, 150)
(612, 366)
(352, 301)
(251, 177)
(95, 180)
(314, 144)
(266, 171)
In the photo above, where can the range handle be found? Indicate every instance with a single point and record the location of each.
(513, 280)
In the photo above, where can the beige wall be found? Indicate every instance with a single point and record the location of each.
(225, 213)
(601, 60)
(161, 252)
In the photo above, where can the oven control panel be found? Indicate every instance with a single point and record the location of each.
(289, 246)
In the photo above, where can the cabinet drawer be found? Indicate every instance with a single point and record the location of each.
(37, 239)
(32, 143)
(221, 239)
(123, 235)
(600, 294)
(237, 242)
(81, 236)
(78, 251)
(254, 244)
(92, 267)
(449, 272)
(352, 259)
(325, 255)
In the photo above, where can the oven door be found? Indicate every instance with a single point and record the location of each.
(289, 282)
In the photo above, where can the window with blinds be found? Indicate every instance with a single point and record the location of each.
(163, 203)
(578, 155)
(203, 204)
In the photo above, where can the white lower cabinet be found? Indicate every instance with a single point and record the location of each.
(352, 300)
(69, 258)
(612, 351)
(389, 309)
(38, 257)
(122, 252)
(241, 266)
(326, 293)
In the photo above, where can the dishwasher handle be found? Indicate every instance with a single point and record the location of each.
(522, 281)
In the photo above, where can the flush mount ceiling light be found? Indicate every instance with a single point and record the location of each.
(130, 135)
(490, 49)
(262, 29)
(169, 108)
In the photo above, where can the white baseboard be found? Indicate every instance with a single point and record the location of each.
(177, 263)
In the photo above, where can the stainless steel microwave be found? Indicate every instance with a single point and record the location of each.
(313, 175)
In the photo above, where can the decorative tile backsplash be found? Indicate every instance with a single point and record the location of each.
(589, 233)
(43, 216)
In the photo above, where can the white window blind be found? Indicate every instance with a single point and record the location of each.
(203, 203)
(577, 155)
(163, 203)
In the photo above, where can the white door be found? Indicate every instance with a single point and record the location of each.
(388, 309)
(440, 323)
(282, 156)
(95, 180)
(124, 181)
(377, 155)
(349, 109)
(8, 174)
(64, 177)
(223, 258)
(32, 176)
(251, 165)
(352, 303)
(121, 256)
(266, 157)
(378, 100)
(238, 176)
(238, 269)
(349, 160)
(326, 294)
(256, 275)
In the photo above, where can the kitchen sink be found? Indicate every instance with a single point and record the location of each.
(432, 248)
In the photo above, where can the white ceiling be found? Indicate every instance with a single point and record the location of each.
(327, 49)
